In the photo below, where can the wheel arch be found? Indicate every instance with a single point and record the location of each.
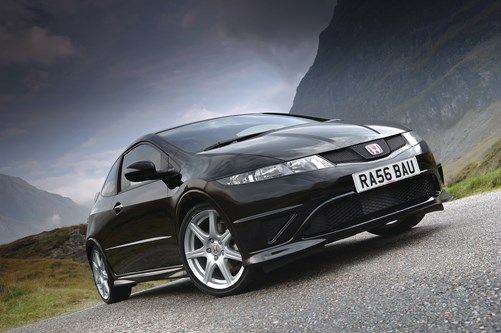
(91, 242)
(191, 198)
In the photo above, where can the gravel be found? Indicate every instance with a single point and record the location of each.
(444, 275)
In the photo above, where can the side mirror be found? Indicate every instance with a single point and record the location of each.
(141, 171)
(145, 170)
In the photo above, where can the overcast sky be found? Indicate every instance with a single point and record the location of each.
(80, 80)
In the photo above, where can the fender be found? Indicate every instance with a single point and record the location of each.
(199, 194)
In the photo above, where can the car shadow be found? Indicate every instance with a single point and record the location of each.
(334, 256)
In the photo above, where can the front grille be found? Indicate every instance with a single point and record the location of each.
(360, 150)
(358, 153)
(395, 142)
(354, 209)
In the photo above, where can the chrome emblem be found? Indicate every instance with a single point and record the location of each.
(374, 149)
(216, 248)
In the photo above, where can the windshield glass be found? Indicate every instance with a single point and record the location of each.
(196, 137)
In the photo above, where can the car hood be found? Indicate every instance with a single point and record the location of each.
(304, 140)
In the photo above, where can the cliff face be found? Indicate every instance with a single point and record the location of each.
(432, 65)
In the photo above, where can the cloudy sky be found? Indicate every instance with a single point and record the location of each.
(79, 80)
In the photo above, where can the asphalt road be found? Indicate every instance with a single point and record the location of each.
(444, 275)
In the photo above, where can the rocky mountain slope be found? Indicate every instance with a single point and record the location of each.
(60, 243)
(27, 210)
(432, 65)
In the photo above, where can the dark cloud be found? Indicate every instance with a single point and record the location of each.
(33, 45)
(84, 78)
(278, 31)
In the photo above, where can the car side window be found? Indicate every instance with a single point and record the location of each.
(141, 153)
(110, 186)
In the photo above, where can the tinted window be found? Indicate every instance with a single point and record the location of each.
(141, 153)
(198, 136)
(110, 184)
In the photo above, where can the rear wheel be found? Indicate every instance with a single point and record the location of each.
(399, 226)
(104, 280)
(210, 255)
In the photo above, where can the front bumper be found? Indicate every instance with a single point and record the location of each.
(283, 217)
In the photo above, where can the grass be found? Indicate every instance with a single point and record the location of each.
(36, 289)
(489, 162)
(477, 184)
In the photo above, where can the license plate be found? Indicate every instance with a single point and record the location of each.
(386, 174)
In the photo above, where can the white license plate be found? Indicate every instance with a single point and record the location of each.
(386, 174)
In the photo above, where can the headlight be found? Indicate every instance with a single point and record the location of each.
(309, 163)
(412, 138)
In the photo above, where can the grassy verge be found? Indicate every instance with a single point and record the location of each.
(478, 184)
(36, 289)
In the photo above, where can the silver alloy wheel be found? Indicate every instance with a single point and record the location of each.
(100, 274)
(212, 255)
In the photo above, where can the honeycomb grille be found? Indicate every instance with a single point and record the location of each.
(359, 207)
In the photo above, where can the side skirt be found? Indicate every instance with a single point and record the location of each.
(157, 274)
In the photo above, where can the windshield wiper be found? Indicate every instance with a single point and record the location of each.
(238, 139)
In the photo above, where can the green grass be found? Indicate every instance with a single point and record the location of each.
(36, 289)
(477, 184)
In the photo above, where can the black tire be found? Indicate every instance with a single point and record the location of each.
(245, 278)
(398, 227)
(116, 294)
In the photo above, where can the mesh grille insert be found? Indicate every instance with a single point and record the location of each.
(356, 208)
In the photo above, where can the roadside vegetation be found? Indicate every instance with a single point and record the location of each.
(35, 289)
(46, 275)
(490, 181)
(489, 161)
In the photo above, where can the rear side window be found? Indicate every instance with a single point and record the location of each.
(110, 186)
(141, 153)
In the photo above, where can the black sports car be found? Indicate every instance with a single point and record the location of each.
(223, 198)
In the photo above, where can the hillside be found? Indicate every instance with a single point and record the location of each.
(61, 243)
(431, 65)
(27, 210)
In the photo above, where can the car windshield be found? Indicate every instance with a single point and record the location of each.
(198, 136)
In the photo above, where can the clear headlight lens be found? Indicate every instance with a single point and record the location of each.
(412, 138)
(309, 163)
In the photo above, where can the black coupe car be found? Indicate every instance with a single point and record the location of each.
(223, 198)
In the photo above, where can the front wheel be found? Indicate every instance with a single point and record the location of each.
(104, 280)
(209, 253)
(398, 226)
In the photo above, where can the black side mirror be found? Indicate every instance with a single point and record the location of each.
(145, 170)
(141, 171)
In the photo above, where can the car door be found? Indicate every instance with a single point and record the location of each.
(143, 235)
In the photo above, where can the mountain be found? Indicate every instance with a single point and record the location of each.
(60, 243)
(431, 65)
(26, 210)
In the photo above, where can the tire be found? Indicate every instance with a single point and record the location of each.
(103, 279)
(399, 226)
(212, 253)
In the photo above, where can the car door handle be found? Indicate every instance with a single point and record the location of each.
(118, 207)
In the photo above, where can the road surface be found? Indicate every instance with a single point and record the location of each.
(443, 275)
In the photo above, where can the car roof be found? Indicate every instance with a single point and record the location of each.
(157, 140)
